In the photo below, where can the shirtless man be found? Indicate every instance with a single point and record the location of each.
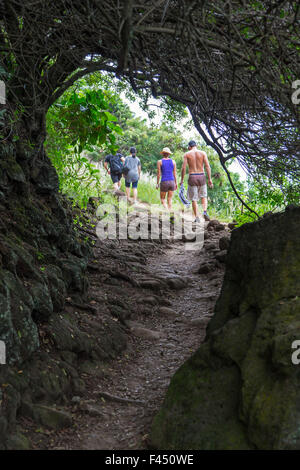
(197, 189)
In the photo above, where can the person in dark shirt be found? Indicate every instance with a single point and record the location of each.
(115, 163)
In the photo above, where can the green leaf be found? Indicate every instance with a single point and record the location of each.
(110, 116)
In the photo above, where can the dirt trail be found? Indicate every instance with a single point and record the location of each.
(165, 325)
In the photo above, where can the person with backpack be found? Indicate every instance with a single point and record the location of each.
(132, 171)
(115, 163)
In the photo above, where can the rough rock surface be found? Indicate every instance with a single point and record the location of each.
(41, 254)
(122, 396)
(240, 390)
(43, 260)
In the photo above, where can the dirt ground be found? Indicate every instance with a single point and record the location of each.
(166, 304)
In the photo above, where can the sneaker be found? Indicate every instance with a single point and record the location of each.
(197, 220)
(206, 217)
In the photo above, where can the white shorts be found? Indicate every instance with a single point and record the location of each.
(194, 193)
(197, 187)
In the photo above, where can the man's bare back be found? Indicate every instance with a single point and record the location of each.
(195, 159)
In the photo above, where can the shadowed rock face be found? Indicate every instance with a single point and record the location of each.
(41, 256)
(241, 390)
(43, 260)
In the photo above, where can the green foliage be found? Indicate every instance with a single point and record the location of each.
(91, 119)
(264, 197)
(87, 123)
(149, 141)
(82, 117)
(80, 120)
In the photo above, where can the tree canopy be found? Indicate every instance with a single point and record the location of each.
(233, 64)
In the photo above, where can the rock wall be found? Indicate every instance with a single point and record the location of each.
(240, 390)
(41, 256)
(43, 260)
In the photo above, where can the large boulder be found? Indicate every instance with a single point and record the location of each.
(241, 390)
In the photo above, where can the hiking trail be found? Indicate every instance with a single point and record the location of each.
(163, 296)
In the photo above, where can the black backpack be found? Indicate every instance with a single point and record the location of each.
(116, 165)
(125, 169)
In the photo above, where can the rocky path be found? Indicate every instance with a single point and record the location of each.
(162, 296)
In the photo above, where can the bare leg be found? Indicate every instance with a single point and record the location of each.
(170, 197)
(127, 193)
(195, 208)
(204, 203)
(116, 186)
(134, 194)
(163, 199)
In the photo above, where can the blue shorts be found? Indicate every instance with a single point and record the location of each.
(134, 184)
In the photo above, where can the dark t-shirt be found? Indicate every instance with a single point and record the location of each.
(108, 158)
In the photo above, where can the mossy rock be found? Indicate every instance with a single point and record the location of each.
(18, 441)
(43, 306)
(13, 170)
(199, 414)
(67, 336)
(241, 390)
(47, 416)
(17, 329)
(3, 432)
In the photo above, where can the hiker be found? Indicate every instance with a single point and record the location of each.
(166, 169)
(115, 163)
(197, 189)
(132, 172)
